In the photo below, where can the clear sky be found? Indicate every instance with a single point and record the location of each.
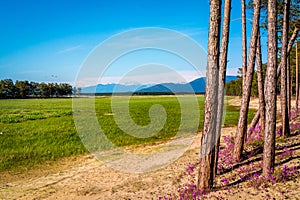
(49, 40)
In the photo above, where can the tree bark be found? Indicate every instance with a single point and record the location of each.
(222, 76)
(288, 83)
(290, 45)
(297, 78)
(242, 123)
(270, 93)
(283, 65)
(255, 119)
(244, 43)
(207, 150)
(260, 86)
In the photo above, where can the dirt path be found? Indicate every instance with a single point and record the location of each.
(84, 177)
(92, 179)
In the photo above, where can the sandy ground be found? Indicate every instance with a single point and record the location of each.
(254, 103)
(84, 177)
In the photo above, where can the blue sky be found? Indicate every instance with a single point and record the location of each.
(49, 40)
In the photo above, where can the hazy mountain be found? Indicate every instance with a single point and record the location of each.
(197, 85)
(230, 78)
(112, 88)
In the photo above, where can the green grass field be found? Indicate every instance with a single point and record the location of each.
(36, 130)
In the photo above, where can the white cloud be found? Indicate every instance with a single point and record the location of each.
(68, 49)
(232, 71)
(195, 31)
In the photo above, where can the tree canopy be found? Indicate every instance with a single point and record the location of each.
(25, 89)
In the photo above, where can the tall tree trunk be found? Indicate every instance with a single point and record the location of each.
(283, 65)
(244, 43)
(207, 150)
(242, 123)
(260, 86)
(290, 45)
(288, 83)
(255, 119)
(270, 94)
(297, 78)
(222, 76)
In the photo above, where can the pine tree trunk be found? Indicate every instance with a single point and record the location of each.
(283, 65)
(289, 86)
(222, 76)
(289, 48)
(297, 78)
(242, 123)
(290, 45)
(255, 119)
(244, 43)
(207, 150)
(270, 93)
(260, 86)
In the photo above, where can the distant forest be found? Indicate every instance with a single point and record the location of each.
(26, 89)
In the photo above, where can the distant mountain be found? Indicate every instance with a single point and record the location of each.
(230, 78)
(197, 86)
(112, 88)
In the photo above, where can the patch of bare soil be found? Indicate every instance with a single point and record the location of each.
(84, 177)
(254, 102)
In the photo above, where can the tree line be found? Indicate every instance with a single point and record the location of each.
(26, 89)
(234, 87)
(279, 19)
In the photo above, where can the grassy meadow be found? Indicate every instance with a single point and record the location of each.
(33, 131)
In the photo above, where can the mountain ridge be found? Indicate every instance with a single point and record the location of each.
(195, 86)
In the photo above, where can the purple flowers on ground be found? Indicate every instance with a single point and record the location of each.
(293, 114)
(286, 153)
(251, 172)
(225, 155)
(190, 168)
(287, 172)
(225, 181)
(295, 128)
